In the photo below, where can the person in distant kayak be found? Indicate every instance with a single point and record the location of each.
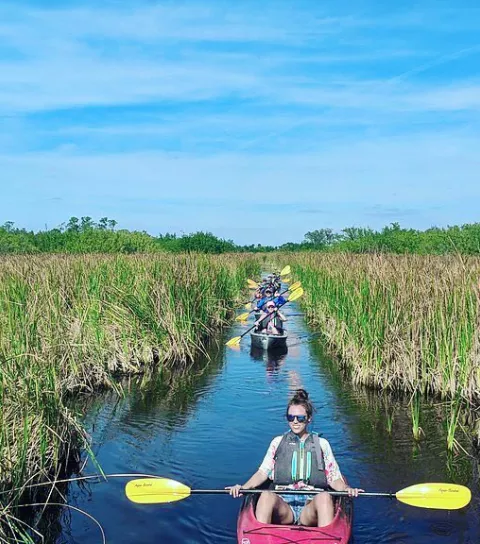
(299, 459)
(271, 320)
(267, 286)
(267, 297)
(257, 298)
(279, 300)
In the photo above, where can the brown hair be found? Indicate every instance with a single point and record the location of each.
(300, 398)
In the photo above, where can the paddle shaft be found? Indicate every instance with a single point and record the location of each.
(288, 492)
(442, 496)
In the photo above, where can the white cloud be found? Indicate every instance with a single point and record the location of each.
(414, 168)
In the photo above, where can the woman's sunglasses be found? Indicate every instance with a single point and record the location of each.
(300, 419)
(270, 307)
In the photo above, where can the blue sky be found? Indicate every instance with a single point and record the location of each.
(257, 121)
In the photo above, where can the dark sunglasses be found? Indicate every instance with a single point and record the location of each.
(272, 306)
(300, 419)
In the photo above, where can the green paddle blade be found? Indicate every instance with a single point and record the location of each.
(441, 496)
(285, 271)
(242, 317)
(156, 490)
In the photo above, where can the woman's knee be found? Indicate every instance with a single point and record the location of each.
(267, 497)
(323, 500)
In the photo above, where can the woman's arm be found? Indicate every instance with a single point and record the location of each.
(256, 480)
(334, 476)
(340, 485)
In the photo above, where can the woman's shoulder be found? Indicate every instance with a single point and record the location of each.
(324, 444)
(272, 448)
(276, 441)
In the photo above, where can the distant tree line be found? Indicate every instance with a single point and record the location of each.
(395, 239)
(84, 235)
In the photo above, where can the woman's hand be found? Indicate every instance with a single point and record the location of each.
(353, 491)
(234, 490)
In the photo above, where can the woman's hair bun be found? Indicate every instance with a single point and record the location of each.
(300, 394)
(300, 398)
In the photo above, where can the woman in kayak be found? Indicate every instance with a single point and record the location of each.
(271, 320)
(297, 460)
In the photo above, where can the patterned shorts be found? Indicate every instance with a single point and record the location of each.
(297, 503)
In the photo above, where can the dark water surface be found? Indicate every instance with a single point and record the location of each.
(213, 430)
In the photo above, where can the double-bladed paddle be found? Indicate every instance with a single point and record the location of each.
(236, 339)
(442, 496)
(244, 316)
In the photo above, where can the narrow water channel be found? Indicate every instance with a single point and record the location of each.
(213, 430)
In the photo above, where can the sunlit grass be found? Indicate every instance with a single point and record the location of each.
(406, 323)
(72, 324)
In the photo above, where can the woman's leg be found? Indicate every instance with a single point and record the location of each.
(271, 506)
(318, 512)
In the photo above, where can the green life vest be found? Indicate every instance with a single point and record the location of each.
(300, 461)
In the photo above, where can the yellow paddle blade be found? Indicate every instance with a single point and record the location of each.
(156, 490)
(285, 270)
(295, 285)
(296, 294)
(233, 341)
(242, 317)
(286, 280)
(247, 305)
(252, 284)
(442, 496)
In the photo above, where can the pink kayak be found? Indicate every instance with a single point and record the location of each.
(251, 531)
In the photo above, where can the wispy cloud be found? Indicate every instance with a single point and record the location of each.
(93, 56)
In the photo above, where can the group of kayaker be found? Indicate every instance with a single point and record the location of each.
(272, 282)
(268, 300)
(298, 460)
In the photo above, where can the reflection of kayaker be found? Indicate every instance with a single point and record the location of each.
(297, 460)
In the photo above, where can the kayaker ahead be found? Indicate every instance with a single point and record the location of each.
(269, 295)
(271, 320)
(297, 459)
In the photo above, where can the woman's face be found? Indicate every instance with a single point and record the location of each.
(300, 422)
(270, 307)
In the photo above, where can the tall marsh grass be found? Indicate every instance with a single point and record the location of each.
(70, 324)
(403, 323)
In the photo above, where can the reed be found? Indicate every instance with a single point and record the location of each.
(403, 323)
(72, 324)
